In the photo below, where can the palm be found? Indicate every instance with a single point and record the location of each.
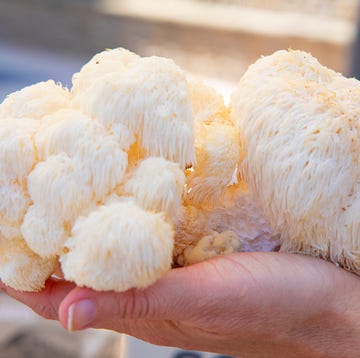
(257, 300)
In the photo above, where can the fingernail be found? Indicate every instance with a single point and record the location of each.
(80, 315)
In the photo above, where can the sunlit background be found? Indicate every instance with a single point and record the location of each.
(212, 40)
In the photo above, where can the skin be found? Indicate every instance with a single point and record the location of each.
(246, 304)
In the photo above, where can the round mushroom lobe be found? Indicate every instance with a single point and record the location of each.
(117, 247)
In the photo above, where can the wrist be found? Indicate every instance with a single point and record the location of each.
(334, 331)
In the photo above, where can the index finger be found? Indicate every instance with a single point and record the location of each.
(45, 302)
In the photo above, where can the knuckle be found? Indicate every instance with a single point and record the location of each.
(135, 305)
(46, 311)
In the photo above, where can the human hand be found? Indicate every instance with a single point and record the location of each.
(246, 304)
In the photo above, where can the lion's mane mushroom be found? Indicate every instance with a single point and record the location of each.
(117, 247)
(300, 128)
(74, 160)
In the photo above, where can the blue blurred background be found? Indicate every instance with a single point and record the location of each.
(21, 66)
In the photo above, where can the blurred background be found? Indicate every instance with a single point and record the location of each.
(213, 40)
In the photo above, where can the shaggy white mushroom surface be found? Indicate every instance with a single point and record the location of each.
(300, 128)
(135, 169)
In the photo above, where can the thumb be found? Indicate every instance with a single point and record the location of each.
(169, 298)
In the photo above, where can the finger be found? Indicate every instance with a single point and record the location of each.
(46, 302)
(173, 297)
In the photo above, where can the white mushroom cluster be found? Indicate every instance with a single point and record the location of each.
(300, 129)
(74, 187)
(136, 168)
(96, 178)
